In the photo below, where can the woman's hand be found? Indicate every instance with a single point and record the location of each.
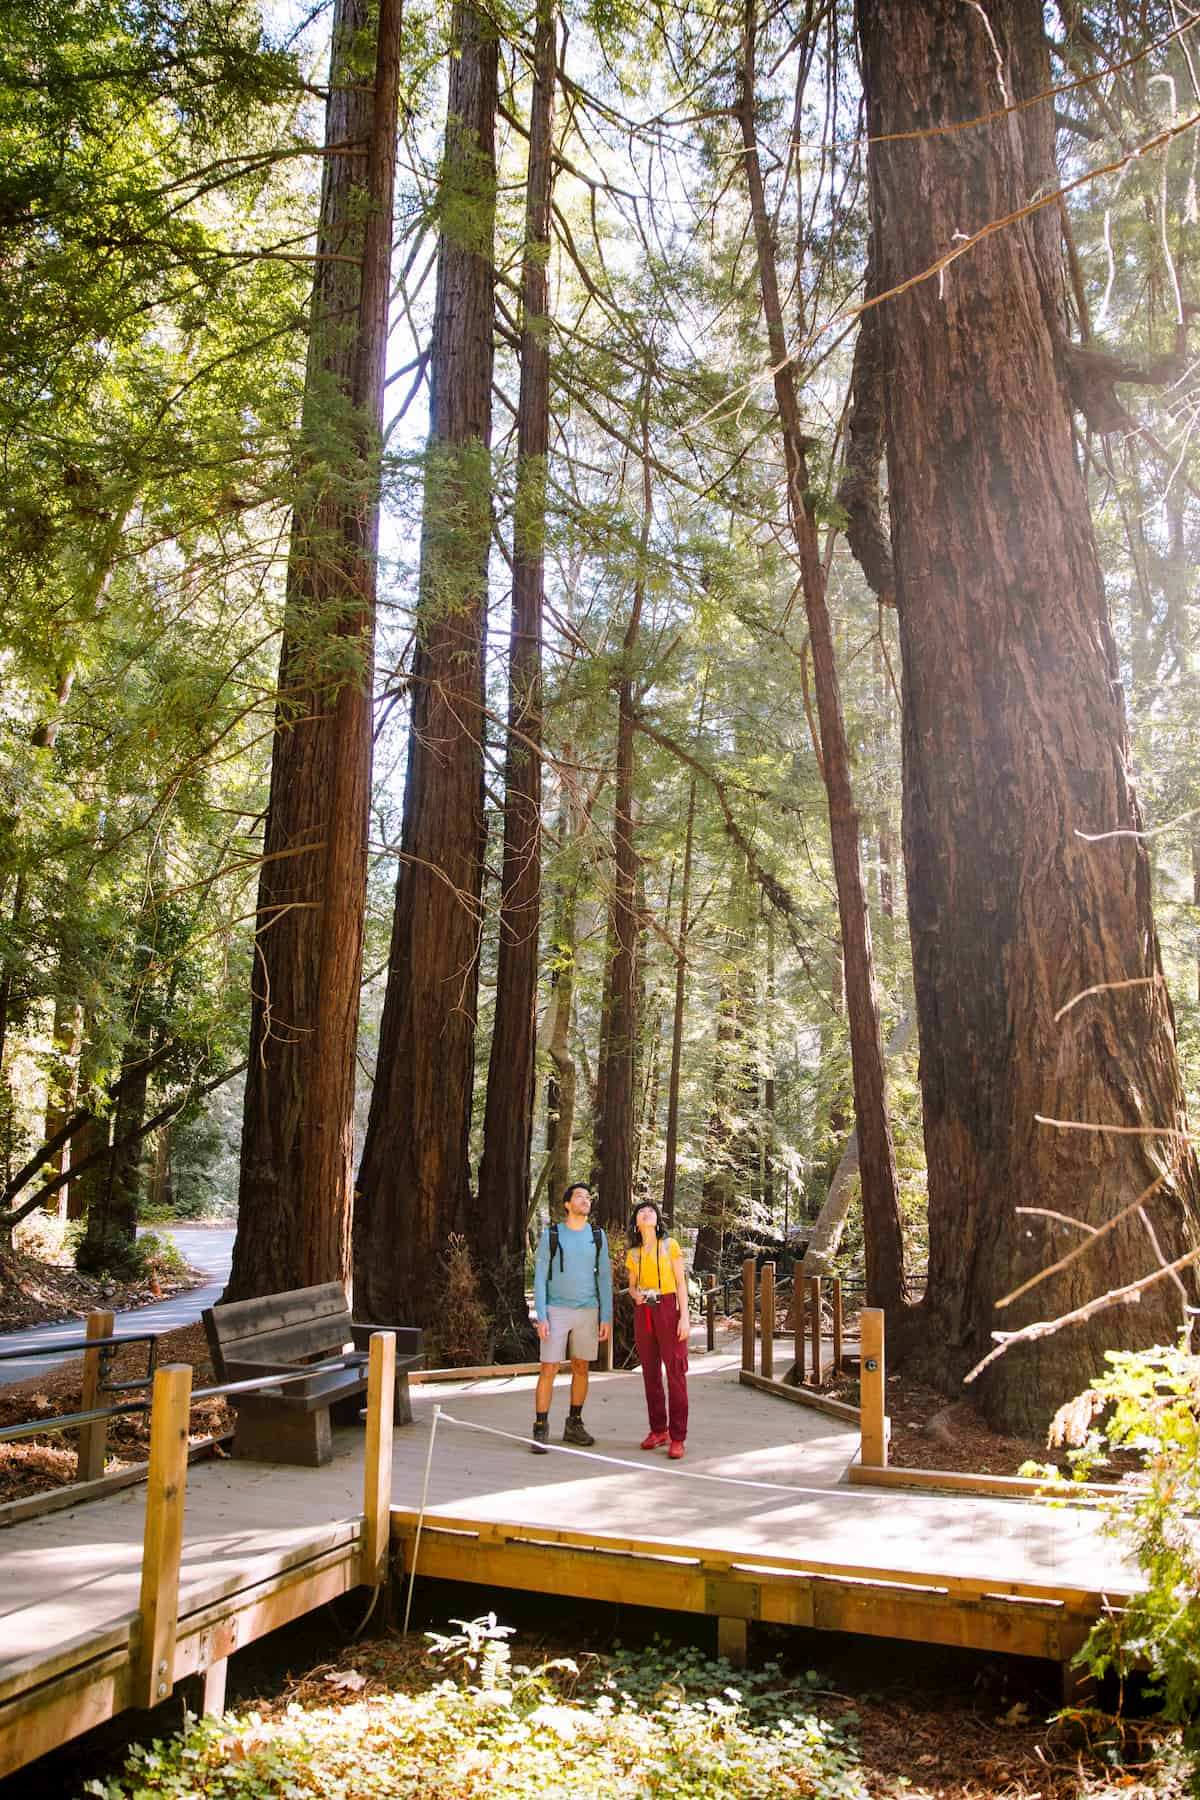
(684, 1328)
(637, 1296)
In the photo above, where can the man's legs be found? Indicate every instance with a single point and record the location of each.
(545, 1386)
(580, 1370)
(541, 1407)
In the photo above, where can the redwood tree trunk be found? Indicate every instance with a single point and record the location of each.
(414, 1179)
(881, 1202)
(671, 1151)
(498, 1229)
(298, 1132)
(615, 1117)
(560, 1084)
(1014, 732)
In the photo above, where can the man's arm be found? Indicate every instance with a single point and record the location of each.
(604, 1281)
(541, 1275)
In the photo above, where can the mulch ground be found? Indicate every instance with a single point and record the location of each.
(33, 1465)
(35, 1292)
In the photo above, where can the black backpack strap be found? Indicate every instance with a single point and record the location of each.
(555, 1249)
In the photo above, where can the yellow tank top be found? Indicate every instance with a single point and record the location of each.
(652, 1268)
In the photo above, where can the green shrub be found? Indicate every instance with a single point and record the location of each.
(663, 1724)
(1150, 1403)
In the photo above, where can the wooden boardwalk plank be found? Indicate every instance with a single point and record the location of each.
(71, 1578)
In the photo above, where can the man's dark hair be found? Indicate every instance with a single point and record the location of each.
(570, 1189)
(635, 1236)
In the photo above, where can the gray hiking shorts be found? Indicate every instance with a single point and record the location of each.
(574, 1334)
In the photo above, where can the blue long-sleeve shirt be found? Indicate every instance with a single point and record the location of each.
(576, 1280)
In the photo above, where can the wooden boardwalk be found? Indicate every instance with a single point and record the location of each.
(758, 1520)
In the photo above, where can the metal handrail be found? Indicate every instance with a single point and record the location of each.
(268, 1383)
(96, 1343)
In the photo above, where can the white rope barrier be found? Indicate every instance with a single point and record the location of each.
(624, 1462)
(412, 1578)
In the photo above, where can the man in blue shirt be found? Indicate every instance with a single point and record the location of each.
(572, 1300)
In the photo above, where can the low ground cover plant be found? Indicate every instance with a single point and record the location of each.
(654, 1724)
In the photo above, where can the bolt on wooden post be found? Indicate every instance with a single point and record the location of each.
(162, 1545)
(873, 1391)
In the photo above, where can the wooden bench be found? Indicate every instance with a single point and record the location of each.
(280, 1333)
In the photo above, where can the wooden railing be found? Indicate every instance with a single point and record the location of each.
(761, 1295)
(153, 1640)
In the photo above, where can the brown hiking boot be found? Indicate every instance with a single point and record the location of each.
(576, 1432)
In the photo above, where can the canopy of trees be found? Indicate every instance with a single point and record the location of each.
(568, 572)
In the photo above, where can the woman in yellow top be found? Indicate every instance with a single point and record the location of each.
(660, 1325)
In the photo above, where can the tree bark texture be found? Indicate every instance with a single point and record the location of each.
(671, 1150)
(414, 1178)
(881, 1203)
(1013, 731)
(498, 1226)
(298, 1134)
(615, 1118)
(730, 1149)
(560, 1084)
(61, 1085)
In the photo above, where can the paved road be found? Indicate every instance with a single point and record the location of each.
(204, 1247)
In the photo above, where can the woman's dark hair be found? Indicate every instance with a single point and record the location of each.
(635, 1236)
(570, 1189)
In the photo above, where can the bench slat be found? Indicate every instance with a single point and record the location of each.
(295, 1343)
(276, 1312)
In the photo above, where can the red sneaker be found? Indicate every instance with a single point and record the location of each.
(676, 1450)
(654, 1440)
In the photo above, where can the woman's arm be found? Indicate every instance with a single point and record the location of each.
(635, 1292)
(681, 1294)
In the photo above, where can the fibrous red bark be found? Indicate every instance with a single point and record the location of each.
(298, 1133)
(414, 1177)
(1014, 730)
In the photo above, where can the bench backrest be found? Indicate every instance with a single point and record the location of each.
(297, 1327)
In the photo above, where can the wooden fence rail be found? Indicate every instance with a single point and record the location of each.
(759, 1295)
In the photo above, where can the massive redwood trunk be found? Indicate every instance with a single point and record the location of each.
(1014, 730)
(414, 1179)
(498, 1226)
(298, 1131)
(880, 1193)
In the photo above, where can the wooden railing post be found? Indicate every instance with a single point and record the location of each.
(93, 1439)
(873, 1395)
(814, 1305)
(377, 1463)
(749, 1272)
(162, 1546)
(606, 1349)
(797, 1327)
(710, 1314)
(836, 1287)
(767, 1308)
